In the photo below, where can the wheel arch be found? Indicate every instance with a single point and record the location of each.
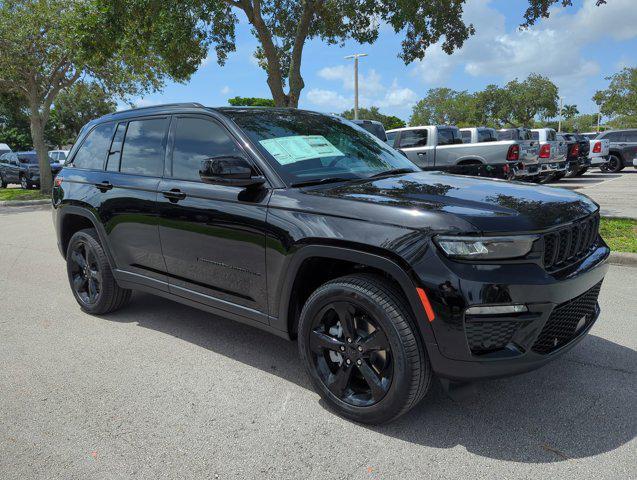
(471, 161)
(292, 296)
(73, 218)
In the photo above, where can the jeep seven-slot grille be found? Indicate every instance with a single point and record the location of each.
(567, 321)
(568, 245)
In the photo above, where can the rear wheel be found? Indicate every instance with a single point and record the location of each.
(614, 164)
(359, 345)
(582, 172)
(90, 275)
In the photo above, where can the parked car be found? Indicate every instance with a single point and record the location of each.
(374, 127)
(4, 148)
(529, 166)
(23, 168)
(617, 159)
(440, 147)
(58, 156)
(306, 227)
(478, 135)
(552, 153)
(598, 149)
(577, 161)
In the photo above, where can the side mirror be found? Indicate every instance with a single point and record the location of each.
(232, 171)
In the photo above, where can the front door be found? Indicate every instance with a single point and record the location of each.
(414, 144)
(212, 236)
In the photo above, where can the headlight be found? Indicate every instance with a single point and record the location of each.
(486, 248)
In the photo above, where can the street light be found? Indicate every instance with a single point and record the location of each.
(356, 56)
(559, 125)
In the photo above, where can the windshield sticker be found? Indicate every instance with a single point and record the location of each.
(286, 150)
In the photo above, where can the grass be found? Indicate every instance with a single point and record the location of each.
(620, 234)
(11, 194)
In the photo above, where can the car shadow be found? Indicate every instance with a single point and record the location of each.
(581, 405)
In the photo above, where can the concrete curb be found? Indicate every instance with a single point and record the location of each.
(623, 258)
(24, 203)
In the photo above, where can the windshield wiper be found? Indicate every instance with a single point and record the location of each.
(320, 181)
(394, 171)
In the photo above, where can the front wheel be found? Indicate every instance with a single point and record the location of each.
(90, 275)
(358, 342)
(614, 164)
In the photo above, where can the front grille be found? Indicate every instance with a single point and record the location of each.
(568, 245)
(567, 320)
(484, 337)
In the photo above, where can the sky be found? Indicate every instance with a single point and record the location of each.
(577, 47)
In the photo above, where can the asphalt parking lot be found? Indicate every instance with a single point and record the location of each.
(160, 390)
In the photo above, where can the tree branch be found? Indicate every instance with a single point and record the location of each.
(302, 30)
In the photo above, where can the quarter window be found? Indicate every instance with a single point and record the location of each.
(413, 138)
(92, 153)
(466, 136)
(445, 136)
(115, 153)
(144, 147)
(197, 139)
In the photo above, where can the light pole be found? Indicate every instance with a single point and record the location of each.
(356, 56)
(559, 125)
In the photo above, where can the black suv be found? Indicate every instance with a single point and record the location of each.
(306, 226)
(623, 148)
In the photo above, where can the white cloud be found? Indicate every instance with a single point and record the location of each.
(554, 47)
(328, 99)
(225, 90)
(369, 82)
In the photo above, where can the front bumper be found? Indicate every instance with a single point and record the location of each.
(513, 343)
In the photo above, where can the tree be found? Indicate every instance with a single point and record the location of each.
(619, 100)
(251, 102)
(446, 106)
(14, 120)
(74, 108)
(569, 111)
(128, 47)
(534, 97)
(372, 113)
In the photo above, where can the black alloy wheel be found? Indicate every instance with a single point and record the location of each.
(90, 276)
(86, 277)
(351, 354)
(362, 350)
(614, 164)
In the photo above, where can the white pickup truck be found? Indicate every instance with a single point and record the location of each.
(440, 147)
(526, 153)
(600, 149)
(552, 155)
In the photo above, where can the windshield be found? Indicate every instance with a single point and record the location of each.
(30, 158)
(305, 146)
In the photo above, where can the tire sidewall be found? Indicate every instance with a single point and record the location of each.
(394, 399)
(91, 242)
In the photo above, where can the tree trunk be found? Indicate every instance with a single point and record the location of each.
(37, 135)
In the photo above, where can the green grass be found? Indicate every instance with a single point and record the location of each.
(11, 194)
(620, 234)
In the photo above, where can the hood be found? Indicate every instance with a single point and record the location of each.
(494, 206)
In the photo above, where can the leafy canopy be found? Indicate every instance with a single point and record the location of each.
(251, 102)
(619, 100)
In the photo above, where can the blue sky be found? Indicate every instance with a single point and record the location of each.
(577, 47)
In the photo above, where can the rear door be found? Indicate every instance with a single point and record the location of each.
(212, 236)
(414, 143)
(127, 196)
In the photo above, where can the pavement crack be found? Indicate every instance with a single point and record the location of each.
(557, 452)
(605, 367)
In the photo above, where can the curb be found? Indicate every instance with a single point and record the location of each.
(24, 203)
(623, 258)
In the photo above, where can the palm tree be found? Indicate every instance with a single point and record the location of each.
(569, 111)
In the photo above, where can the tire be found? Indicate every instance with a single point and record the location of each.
(558, 176)
(572, 171)
(397, 364)
(3, 184)
(93, 285)
(614, 164)
(582, 172)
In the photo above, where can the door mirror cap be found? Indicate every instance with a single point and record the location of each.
(233, 171)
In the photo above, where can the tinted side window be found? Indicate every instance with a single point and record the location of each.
(144, 146)
(391, 137)
(445, 136)
(92, 153)
(535, 135)
(115, 152)
(506, 135)
(551, 135)
(486, 136)
(197, 139)
(630, 136)
(466, 136)
(413, 138)
(613, 136)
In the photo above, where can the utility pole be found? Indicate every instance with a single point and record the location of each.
(599, 119)
(356, 56)
(559, 125)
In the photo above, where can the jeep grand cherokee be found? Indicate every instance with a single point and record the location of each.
(305, 225)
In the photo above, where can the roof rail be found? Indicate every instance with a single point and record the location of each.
(183, 105)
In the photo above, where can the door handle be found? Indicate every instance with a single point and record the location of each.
(422, 154)
(103, 186)
(174, 195)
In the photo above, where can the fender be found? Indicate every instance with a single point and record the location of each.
(468, 160)
(64, 210)
(369, 259)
